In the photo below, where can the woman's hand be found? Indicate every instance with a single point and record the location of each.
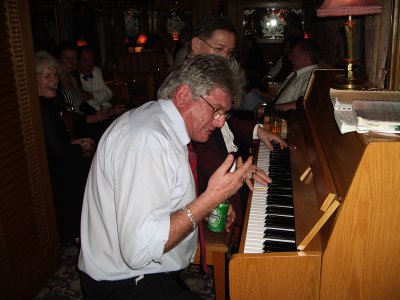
(87, 144)
(99, 116)
(118, 109)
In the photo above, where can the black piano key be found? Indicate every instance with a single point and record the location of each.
(280, 192)
(273, 210)
(280, 184)
(285, 178)
(274, 246)
(279, 222)
(287, 205)
(278, 167)
(277, 200)
(280, 234)
(280, 174)
(281, 197)
(268, 249)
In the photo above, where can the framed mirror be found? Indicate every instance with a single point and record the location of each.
(271, 22)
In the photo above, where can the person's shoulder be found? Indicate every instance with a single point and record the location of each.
(150, 119)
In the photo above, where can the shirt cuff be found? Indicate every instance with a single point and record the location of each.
(255, 136)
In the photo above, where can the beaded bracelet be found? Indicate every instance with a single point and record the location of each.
(190, 216)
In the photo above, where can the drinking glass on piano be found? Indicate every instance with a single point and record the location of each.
(275, 122)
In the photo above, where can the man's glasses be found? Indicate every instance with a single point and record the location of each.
(217, 112)
(220, 51)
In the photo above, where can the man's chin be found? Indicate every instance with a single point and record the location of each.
(201, 139)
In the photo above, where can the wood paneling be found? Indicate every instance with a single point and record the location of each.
(29, 248)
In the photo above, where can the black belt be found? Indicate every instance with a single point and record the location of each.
(153, 276)
(135, 280)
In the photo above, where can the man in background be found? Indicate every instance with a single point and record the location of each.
(94, 90)
(216, 35)
(304, 56)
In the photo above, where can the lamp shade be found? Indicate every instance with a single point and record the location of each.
(141, 41)
(337, 8)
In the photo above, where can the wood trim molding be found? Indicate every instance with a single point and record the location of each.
(394, 72)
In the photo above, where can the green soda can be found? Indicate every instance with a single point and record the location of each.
(217, 219)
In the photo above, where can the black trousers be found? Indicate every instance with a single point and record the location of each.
(153, 286)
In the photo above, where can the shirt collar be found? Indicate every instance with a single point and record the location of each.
(306, 69)
(178, 123)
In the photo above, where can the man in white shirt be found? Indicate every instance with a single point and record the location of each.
(94, 89)
(305, 56)
(140, 210)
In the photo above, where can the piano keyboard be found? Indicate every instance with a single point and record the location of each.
(271, 218)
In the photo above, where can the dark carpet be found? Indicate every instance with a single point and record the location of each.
(65, 284)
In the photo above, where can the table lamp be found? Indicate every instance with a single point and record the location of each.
(338, 8)
(141, 42)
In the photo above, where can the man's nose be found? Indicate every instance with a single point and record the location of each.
(219, 122)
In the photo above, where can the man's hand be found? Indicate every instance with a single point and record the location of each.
(268, 137)
(85, 95)
(87, 144)
(258, 175)
(286, 106)
(223, 183)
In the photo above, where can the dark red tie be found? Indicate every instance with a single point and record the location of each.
(193, 165)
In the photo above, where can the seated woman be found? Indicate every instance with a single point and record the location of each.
(69, 160)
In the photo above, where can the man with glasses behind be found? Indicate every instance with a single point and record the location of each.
(216, 35)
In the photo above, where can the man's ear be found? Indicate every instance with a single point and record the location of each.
(195, 45)
(182, 96)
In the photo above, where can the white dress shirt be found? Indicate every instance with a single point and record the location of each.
(297, 87)
(228, 138)
(139, 176)
(96, 85)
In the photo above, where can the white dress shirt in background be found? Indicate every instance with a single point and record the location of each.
(96, 85)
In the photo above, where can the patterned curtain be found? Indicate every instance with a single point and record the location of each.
(377, 41)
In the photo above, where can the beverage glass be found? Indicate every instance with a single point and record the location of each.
(275, 123)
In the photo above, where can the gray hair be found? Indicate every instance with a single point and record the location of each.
(203, 73)
(45, 60)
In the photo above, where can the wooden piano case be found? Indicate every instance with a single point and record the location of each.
(354, 254)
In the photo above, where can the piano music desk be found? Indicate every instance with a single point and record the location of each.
(217, 246)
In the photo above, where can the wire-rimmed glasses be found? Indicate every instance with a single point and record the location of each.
(217, 112)
(220, 51)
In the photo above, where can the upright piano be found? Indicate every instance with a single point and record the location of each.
(346, 198)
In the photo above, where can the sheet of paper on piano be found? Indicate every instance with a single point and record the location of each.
(346, 117)
(377, 115)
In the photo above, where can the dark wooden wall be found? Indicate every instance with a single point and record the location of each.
(29, 247)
